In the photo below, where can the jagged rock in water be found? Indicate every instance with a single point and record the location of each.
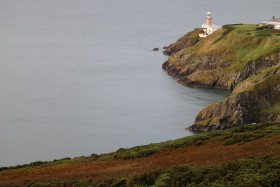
(156, 49)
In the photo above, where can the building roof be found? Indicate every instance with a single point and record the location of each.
(269, 23)
(274, 19)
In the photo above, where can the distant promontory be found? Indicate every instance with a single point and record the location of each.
(244, 58)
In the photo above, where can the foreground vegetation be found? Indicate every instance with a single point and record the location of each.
(254, 171)
(248, 156)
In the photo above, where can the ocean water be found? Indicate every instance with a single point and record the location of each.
(79, 76)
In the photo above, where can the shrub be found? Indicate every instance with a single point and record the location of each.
(163, 180)
(62, 159)
(94, 156)
(144, 153)
(262, 27)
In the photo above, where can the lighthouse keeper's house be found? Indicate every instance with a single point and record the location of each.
(208, 27)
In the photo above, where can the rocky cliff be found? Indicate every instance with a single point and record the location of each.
(242, 58)
(185, 41)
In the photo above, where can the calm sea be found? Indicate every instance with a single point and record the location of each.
(79, 76)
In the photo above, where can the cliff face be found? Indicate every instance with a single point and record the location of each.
(237, 57)
(244, 107)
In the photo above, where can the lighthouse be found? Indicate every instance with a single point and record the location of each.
(208, 27)
(209, 19)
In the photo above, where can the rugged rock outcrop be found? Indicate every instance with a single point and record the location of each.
(212, 71)
(185, 41)
(243, 107)
(239, 58)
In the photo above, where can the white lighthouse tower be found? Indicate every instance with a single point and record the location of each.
(209, 19)
(208, 27)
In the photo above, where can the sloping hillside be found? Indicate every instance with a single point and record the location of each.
(221, 157)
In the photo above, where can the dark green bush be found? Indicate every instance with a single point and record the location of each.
(262, 27)
(144, 153)
(94, 156)
(62, 159)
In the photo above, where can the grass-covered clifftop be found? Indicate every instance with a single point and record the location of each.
(242, 58)
(244, 156)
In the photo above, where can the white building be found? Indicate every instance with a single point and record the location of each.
(208, 27)
(275, 22)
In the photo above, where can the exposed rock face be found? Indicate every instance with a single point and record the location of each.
(185, 41)
(247, 65)
(241, 108)
(211, 71)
